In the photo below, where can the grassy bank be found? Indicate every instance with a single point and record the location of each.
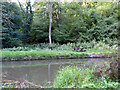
(50, 54)
(41, 54)
(57, 51)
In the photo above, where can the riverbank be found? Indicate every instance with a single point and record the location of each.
(8, 55)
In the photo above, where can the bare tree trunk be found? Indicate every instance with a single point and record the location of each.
(50, 22)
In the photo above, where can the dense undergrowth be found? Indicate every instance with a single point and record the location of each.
(71, 50)
(101, 45)
(77, 77)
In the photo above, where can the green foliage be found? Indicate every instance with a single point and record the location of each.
(16, 24)
(27, 22)
(79, 23)
(108, 70)
(77, 47)
(84, 24)
(101, 46)
(64, 33)
(69, 76)
(18, 49)
(76, 23)
(11, 25)
(56, 50)
(40, 24)
(68, 46)
(77, 77)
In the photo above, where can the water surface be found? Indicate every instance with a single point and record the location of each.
(42, 72)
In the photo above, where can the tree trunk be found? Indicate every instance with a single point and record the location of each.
(50, 22)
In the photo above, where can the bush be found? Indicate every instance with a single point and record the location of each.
(82, 46)
(111, 42)
(78, 47)
(108, 70)
(101, 45)
(68, 46)
(44, 46)
(69, 76)
(18, 49)
(77, 77)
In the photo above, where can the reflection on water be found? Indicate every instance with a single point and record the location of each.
(40, 72)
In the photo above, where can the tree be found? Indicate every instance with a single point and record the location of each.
(11, 25)
(40, 26)
(50, 20)
(27, 20)
(60, 12)
(73, 22)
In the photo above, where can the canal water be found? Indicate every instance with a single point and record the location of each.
(43, 72)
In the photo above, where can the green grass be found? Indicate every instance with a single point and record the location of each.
(6, 53)
(35, 54)
(103, 51)
(40, 53)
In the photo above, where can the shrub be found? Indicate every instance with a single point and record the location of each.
(108, 71)
(82, 46)
(101, 45)
(44, 46)
(77, 77)
(93, 43)
(70, 76)
(68, 46)
(78, 47)
(18, 49)
(111, 42)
